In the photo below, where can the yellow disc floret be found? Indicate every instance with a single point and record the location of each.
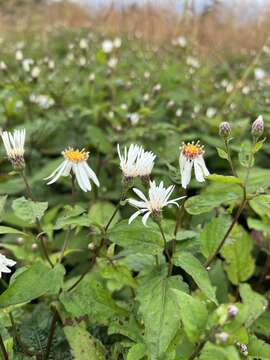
(192, 150)
(75, 156)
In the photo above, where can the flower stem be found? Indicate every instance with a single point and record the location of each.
(122, 197)
(50, 338)
(165, 247)
(229, 157)
(3, 349)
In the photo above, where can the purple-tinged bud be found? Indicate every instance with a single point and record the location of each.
(224, 129)
(257, 127)
(232, 311)
(222, 337)
(243, 349)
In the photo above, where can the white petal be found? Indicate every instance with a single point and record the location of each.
(91, 173)
(133, 217)
(203, 166)
(186, 174)
(145, 218)
(198, 172)
(56, 170)
(140, 194)
(136, 203)
(81, 177)
(59, 173)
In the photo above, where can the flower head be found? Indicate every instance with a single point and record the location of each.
(192, 154)
(75, 162)
(224, 129)
(107, 46)
(14, 145)
(136, 161)
(258, 126)
(158, 198)
(4, 263)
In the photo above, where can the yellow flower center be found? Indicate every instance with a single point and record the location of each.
(191, 151)
(75, 155)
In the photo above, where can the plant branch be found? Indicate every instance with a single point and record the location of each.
(3, 349)
(51, 333)
(165, 247)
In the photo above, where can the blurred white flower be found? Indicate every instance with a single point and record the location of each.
(35, 72)
(246, 90)
(51, 65)
(170, 104)
(158, 198)
(197, 108)
(107, 46)
(3, 66)
(211, 112)
(117, 43)
(19, 55)
(112, 62)
(146, 74)
(134, 118)
(75, 162)
(92, 77)
(259, 74)
(157, 88)
(5, 263)
(182, 41)
(124, 106)
(192, 61)
(82, 61)
(44, 101)
(179, 112)
(26, 64)
(146, 97)
(14, 145)
(111, 114)
(83, 44)
(191, 154)
(229, 88)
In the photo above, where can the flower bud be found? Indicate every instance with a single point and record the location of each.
(222, 337)
(257, 127)
(20, 240)
(224, 129)
(34, 247)
(91, 246)
(232, 311)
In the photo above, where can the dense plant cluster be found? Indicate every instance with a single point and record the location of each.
(134, 201)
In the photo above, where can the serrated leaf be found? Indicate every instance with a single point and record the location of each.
(215, 352)
(29, 210)
(194, 268)
(239, 263)
(225, 179)
(212, 235)
(32, 283)
(101, 212)
(194, 315)
(261, 205)
(258, 349)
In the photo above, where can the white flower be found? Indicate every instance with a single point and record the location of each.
(192, 61)
(82, 61)
(259, 73)
(35, 72)
(4, 263)
(134, 118)
(182, 41)
(75, 161)
(51, 65)
(157, 88)
(136, 161)
(112, 62)
(19, 55)
(179, 112)
(192, 155)
(83, 44)
(26, 64)
(3, 66)
(14, 145)
(117, 43)
(210, 112)
(92, 77)
(158, 198)
(246, 90)
(44, 101)
(107, 46)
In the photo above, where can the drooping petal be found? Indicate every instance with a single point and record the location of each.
(90, 173)
(203, 166)
(136, 214)
(198, 172)
(56, 175)
(186, 173)
(145, 218)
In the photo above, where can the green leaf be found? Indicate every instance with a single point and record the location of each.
(157, 307)
(32, 283)
(91, 297)
(222, 153)
(261, 325)
(136, 352)
(215, 352)
(99, 139)
(255, 302)
(9, 230)
(137, 238)
(200, 204)
(258, 349)
(258, 225)
(257, 147)
(246, 156)
(194, 268)
(3, 200)
(239, 263)
(261, 205)
(225, 179)
(194, 315)
(29, 210)
(212, 235)
(101, 212)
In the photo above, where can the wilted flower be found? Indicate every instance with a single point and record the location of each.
(19, 55)
(192, 155)
(5, 263)
(224, 129)
(83, 44)
(75, 162)
(35, 72)
(232, 311)
(258, 127)
(14, 145)
(107, 46)
(158, 199)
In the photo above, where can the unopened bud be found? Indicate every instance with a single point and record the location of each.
(257, 127)
(232, 311)
(224, 129)
(19, 240)
(91, 246)
(34, 247)
(222, 337)
(243, 349)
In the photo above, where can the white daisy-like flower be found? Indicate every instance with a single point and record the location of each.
(75, 162)
(136, 161)
(14, 145)
(5, 263)
(107, 46)
(158, 199)
(192, 155)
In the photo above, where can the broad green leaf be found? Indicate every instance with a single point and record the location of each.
(157, 307)
(32, 283)
(136, 352)
(257, 224)
(98, 138)
(91, 297)
(9, 230)
(215, 352)
(212, 235)
(204, 203)
(29, 210)
(101, 212)
(3, 200)
(239, 263)
(137, 238)
(129, 329)
(225, 179)
(246, 157)
(258, 349)
(257, 147)
(195, 269)
(219, 280)
(193, 313)
(261, 205)
(222, 153)
(261, 325)
(255, 302)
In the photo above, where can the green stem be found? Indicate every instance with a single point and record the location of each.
(122, 197)
(165, 247)
(229, 157)
(51, 333)
(3, 349)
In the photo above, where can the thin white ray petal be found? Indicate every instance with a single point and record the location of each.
(140, 194)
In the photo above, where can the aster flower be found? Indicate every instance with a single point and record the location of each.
(158, 198)
(14, 145)
(192, 155)
(75, 162)
(136, 161)
(5, 263)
